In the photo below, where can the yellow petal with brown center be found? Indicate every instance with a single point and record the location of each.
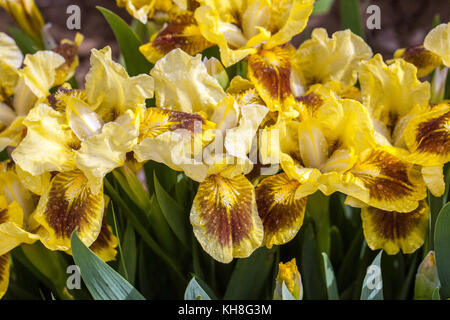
(225, 218)
(394, 231)
(270, 71)
(69, 205)
(428, 136)
(281, 213)
(4, 274)
(105, 244)
(424, 60)
(382, 179)
(181, 32)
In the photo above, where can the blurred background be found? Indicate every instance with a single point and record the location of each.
(403, 23)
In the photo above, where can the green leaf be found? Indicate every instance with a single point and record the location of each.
(194, 291)
(249, 275)
(427, 279)
(322, 6)
(350, 17)
(442, 249)
(135, 62)
(318, 209)
(174, 214)
(373, 283)
(330, 279)
(129, 254)
(101, 280)
(24, 42)
(133, 188)
(4, 155)
(436, 295)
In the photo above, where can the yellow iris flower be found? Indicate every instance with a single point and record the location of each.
(240, 27)
(289, 275)
(142, 10)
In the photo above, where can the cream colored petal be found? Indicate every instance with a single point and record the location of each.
(438, 42)
(182, 82)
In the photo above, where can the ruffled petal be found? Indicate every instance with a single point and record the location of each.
(391, 92)
(280, 211)
(111, 90)
(394, 231)
(101, 153)
(181, 32)
(49, 144)
(225, 218)
(322, 59)
(69, 205)
(424, 60)
(183, 83)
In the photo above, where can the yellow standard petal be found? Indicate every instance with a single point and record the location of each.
(69, 205)
(281, 213)
(105, 244)
(4, 274)
(181, 32)
(381, 178)
(427, 136)
(10, 61)
(270, 71)
(225, 218)
(438, 42)
(391, 92)
(322, 59)
(434, 179)
(111, 90)
(394, 231)
(101, 153)
(183, 83)
(49, 144)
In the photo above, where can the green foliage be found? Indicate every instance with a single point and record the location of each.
(350, 17)
(442, 248)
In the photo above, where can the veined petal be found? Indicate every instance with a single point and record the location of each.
(181, 32)
(4, 274)
(183, 83)
(312, 145)
(280, 211)
(10, 61)
(105, 244)
(391, 92)
(36, 184)
(40, 71)
(270, 71)
(322, 59)
(424, 60)
(69, 205)
(434, 179)
(103, 152)
(49, 144)
(381, 178)
(394, 231)
(427, 136)
(225, 218)
(109, 87)
(438, 42)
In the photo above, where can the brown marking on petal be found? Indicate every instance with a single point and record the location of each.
(272, 69)
(4, 264)
(157, 121)
(181, 32)
(420, 57)
(226, 208)
(311, 100)
(56, 100)
(433, 135)
(385, 175)
(3, 216)
(67, 207)
(68, 51)
(281, 214)
(104, 238)
(395, 226)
